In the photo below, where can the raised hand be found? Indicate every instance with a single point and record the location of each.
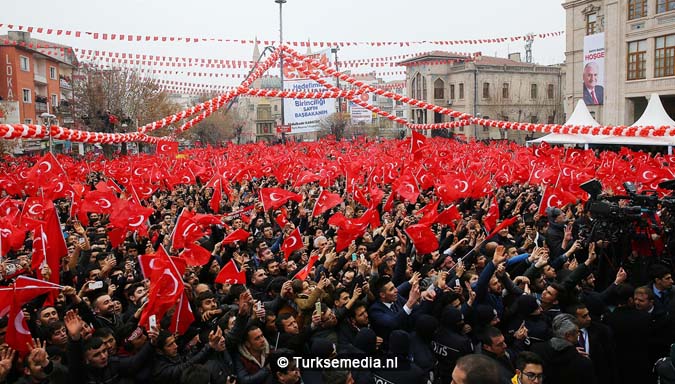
(6, 359)
(415, 278)
(74, 325)
(500, 255)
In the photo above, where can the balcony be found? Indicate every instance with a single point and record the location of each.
(65, 84)
(40, 79)
(40, 107)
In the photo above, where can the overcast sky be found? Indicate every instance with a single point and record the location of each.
(316, 20)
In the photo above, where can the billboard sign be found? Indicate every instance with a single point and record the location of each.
(594, 69)
(305, 114)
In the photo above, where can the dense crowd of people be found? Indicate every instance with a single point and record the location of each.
(530, 303)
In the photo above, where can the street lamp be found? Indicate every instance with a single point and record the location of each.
(47, 119)
(337, 69)
(281, 63)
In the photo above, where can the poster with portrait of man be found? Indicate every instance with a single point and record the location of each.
(594, 69)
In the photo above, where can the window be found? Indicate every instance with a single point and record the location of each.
(28, 121)
(550, 91)
(533, 91)
(439, 89)
(637, 50)
(399, 113)
(26, 96)
(551, 120)
(505, 91)
(486, 90)
(534, 119)
(461, 91)
(419, 87)
(52, 73)
(251, 108)
(55, 100)
(664, 60)
(276, 107)
(637, 8)
(591, 23)
(25, 64)
(665, 6)
(452, 91)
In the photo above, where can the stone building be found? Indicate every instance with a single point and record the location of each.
(490, 87)
(639, 45)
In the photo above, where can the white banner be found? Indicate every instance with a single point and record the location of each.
(594, 69)
(359, 114)
(306, 114)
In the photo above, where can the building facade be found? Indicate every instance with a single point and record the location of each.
(638, 37)
(489, 87)
(38, 75)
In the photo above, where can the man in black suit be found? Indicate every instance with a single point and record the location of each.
(631, 330)
(594, 94)
(391, 310)
(596, 340)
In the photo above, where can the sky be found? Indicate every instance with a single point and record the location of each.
(314, 20)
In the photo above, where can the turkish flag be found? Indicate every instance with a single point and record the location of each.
(11, 236)
(490, 219)
(292, 243)
(194, 254)
(217, 197)
(52, 242)
(423, 238)
(237, 235)
(166, 287)
(429, 213)
(147, 264)
(448, 215)
(273, 198)
(282, 218)
(183, 316)
(504, 224)
(407, 188)
(230, 274)
(34, 212)
(99, 202)
(25, 290)
(417, 141)
(39, 255)
(47, 168)
(555, 197)
(304, 272)
(325, 201)
(169, 148)
(186, 231)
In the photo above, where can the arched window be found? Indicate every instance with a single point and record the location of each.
(439, 89)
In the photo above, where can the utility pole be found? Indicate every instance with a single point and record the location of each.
(337, 68)
(281, 63)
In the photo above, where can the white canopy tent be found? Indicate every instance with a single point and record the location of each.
(580, 117)
(654, 115)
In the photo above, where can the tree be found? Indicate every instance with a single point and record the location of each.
(335, 124)
(124, 93)
(221, 126)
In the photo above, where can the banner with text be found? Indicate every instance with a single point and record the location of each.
(594, 69)
(306, 114)
(359, 114)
